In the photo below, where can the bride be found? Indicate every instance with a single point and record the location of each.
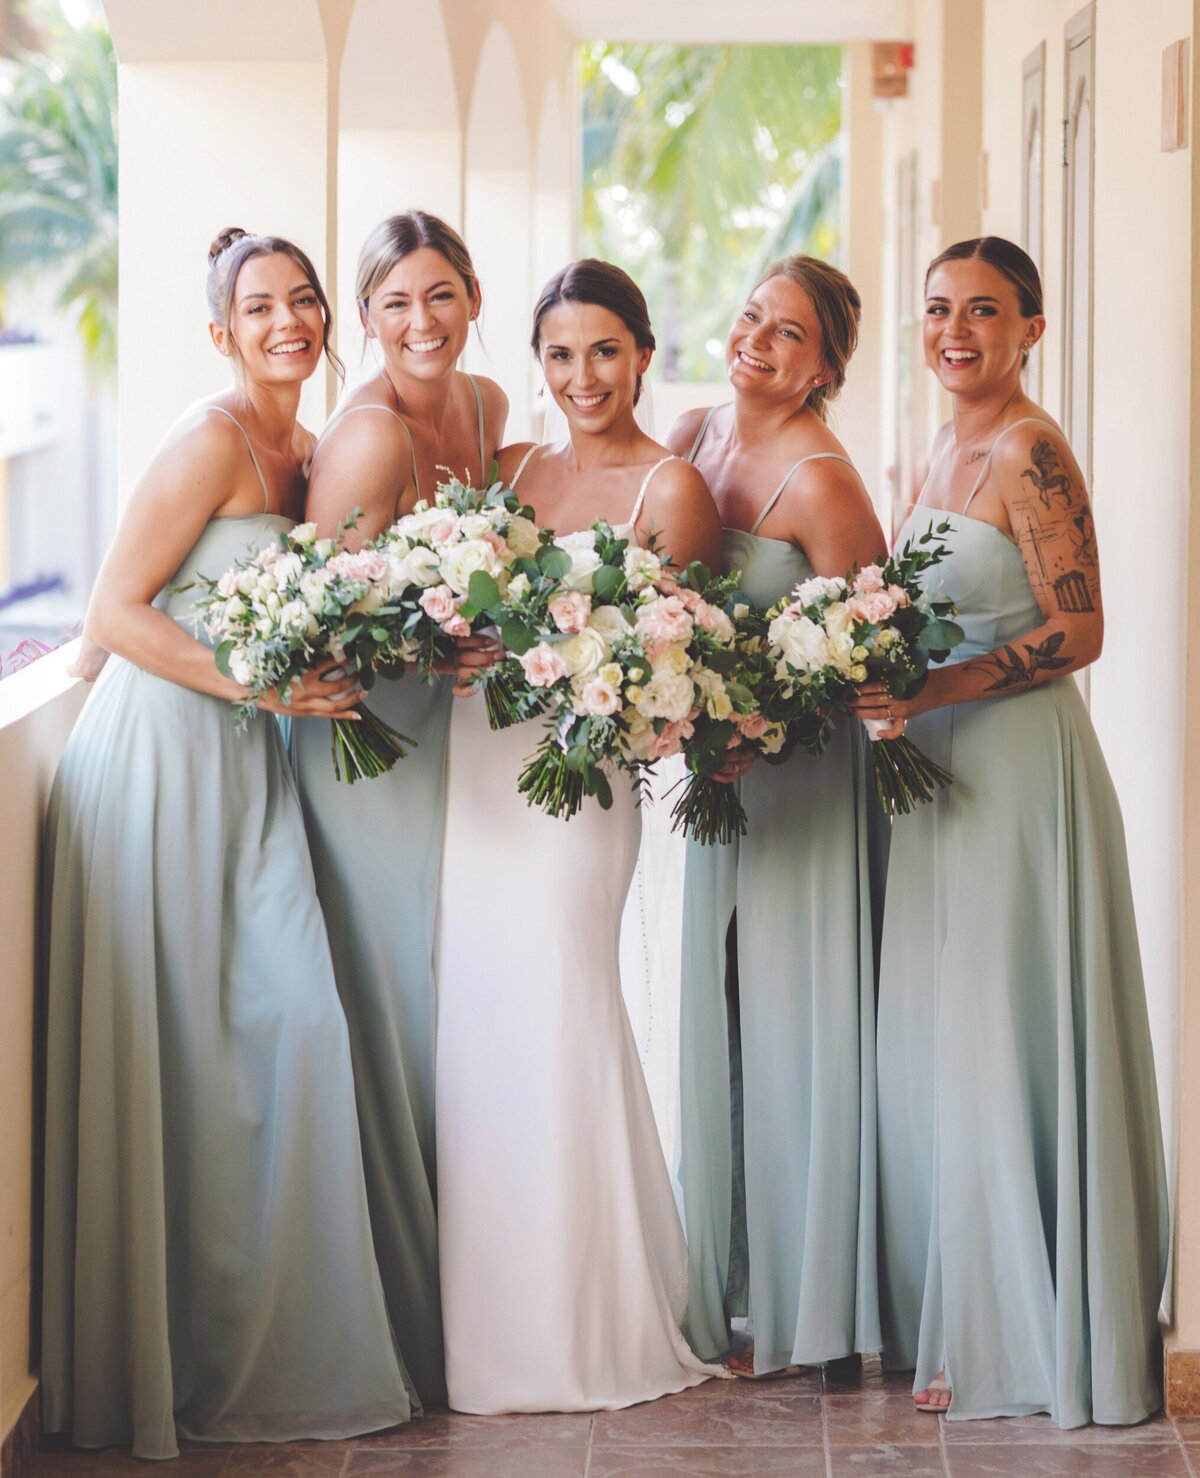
(564, 1269)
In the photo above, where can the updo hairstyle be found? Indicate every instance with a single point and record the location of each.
(603, 286)
(230, 251)
(838, 308)
(1009, 260)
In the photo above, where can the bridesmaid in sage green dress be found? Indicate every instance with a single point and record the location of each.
(1023, 1195)
(209, 1271)
(777, 1159)
(377, 846)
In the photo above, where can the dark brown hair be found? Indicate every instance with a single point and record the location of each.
(604, 286)
(838, 308)
(230, 251)
(1008, 259)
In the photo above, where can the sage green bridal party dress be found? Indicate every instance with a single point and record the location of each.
(377, 851)
(1023, 1196)
(777, 1137)
(209, 1271)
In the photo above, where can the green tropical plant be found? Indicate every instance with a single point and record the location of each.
(701, 162)
(58, 175)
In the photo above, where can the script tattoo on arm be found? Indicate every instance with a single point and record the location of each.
(1056, 535)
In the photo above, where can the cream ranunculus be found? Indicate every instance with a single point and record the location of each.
(667, 695)
(841, 650)
(610, 623)
(521, 536)
(584, 653)
(460, 561)
(717, 703)
(584, 559)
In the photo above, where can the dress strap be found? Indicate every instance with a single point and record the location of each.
(262, 481)
(708, 415)
(388, 411)
(987, 461)
(637, 507)
(787, 477)
(521, 465)
(479, 417)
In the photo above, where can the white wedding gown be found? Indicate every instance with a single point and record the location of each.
(563, 1262)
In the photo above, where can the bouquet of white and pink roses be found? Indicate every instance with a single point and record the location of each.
(877, 625)
(450, 565)
(632, 663)
(280, 611)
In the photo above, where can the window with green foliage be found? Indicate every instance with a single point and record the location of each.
(700, 165)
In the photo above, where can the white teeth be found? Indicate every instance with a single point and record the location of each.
(960, 355)
(293, 346)
(426, 346)
(586, 402)
(751, 361)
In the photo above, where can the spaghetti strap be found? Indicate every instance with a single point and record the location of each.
(479, 416)
(708, 415)
(987, 461)
(637, 507)
(388, 411)
(262, 481)
(787, 477)
(521, 465)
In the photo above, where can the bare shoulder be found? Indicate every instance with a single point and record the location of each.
(1035, 448)
(365, 428)
(495, 402)
(677, 482)
(685, 430)
(203, 438)
(511, 457)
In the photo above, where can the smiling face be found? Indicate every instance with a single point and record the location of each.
(774, 347)
(591, 362)
(421, 314)
(975, 333)
(276, 326)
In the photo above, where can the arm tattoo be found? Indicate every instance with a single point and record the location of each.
(1014, 670)
(1055, 531)
(1045, 474)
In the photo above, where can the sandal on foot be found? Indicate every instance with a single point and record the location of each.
(935, 1387)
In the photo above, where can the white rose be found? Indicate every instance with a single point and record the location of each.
(272, 603)
(460, 561)
(521, 536)
(370, 601)
(325, 548)
(234, 608)
(420, 566)
(841, 651)
(610, 623)
(672, 658)
(642, 567)
(246, 582)
(741, 610)
(818, 588)
(803, 643)
(584, 559)
(313, 587)
(667, 695)
(475, 525)
(584, 653)
(288, 567)
(518, 586)
(599, 697)
(240, 669)
(836, 618)
(295, 619)
(304, 533)
(416, 525)
(641, 736)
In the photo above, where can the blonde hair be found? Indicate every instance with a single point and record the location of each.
(398, 237)
(838, 308)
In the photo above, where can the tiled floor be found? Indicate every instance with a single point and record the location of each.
(862, 1423)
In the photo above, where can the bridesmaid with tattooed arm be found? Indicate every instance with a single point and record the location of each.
(1023, 1213)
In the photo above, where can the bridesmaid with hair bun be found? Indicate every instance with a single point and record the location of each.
(209, 1272)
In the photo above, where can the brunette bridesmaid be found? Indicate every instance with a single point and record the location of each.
(209, 1271)
(777, 1161)
(377, 846)
(1023, 1194)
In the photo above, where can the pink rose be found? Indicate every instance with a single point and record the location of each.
(439, 602)
(542, 666)
(691, 599)
(665, 620)
(227, 584)
(600, 697)
(445, 529)
(899, 595)
(751, 725)
(570, 610)
(493, 540)
(457, 626)
(875, 607)
(672, 738)
(365, 564)
(868, 580)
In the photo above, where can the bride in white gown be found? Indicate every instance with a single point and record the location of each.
(564, 1268)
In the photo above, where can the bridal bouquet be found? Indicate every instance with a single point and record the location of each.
(632, 663)
(278, 612)
(876, 625)
(452, 563)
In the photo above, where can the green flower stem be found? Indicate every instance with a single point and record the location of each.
(366, 747)
(904, 777)
(709, 811)
(503, 709)
(547, 781)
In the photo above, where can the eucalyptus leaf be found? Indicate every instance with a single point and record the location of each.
(553, 562)
(482, 590)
